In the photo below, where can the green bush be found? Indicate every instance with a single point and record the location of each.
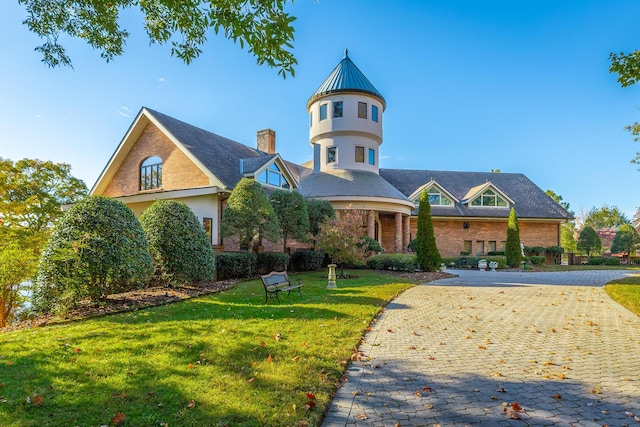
(537, 260)
(272, 261)
(637, 261)
(396, 262)
(370, 246)
(234, 265)
(413, 245)
(306, 260)
(500, 259)
(534, 250)
(98, 248)
(448, 260)
(596, 261)
(179, 246)
(467, 262)
(465, 253)
(612, 261)
(495, 253)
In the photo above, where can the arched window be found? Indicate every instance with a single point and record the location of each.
(151, 173)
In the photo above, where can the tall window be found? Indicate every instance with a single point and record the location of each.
(362, 110)
(359, 154)
(207, 223)
(489, 198)
(372, 156)
(273, 176)
(311, 119)
(374, 113)
(436, 198)
(493, 246)
(323, 112)
(332, 153)
(467, 246)
(151, 173)
(337, 109)
(479, 247)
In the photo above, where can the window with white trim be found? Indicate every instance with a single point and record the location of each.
(437, 198)
(273, 176)
(489, 198)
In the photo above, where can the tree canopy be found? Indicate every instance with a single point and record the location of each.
(605, 217)
(626, 240)
(341, 238)
(291, 210)
(627, 67)
(249, 214)
(589, 241)
(263, 26)
(513, 250)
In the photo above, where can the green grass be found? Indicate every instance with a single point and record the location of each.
(626, 291)
(558, 267)
(219, 352)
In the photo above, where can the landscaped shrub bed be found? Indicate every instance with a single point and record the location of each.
(612, 261)
(500, 259)
(306, 260)
(466, 262)
(537, 260)
(596, 261)
(231, 265)
(272, 261)
(396, 262)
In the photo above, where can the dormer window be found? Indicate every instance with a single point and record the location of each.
(151, 173)
(273, 176)
(489, 198)
(436, 198)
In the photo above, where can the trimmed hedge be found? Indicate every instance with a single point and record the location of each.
(397, 262)
(467, 262)
(537, 260)
(306, 260)
(233, 265)
(612, 261)
(472, 262)
(272, 261)
(448, 260)
(500, 259)
(596, 261)
(496, 253)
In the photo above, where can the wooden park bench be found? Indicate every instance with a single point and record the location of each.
(278, 281)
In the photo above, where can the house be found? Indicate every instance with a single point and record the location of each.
(164, 158)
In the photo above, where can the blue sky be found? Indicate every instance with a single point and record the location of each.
(521, 86)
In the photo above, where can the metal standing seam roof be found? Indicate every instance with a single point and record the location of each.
(346, 77)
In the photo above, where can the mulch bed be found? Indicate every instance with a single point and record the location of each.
(160, 295)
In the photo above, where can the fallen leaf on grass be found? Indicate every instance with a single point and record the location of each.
(118, 419)
(77, 350)
(191, 404)
(269, 359)
(190, 366)
(295, 359)
(38, 400)
(120, 395)
(252, 379)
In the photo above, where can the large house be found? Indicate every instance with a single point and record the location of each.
(164, 158)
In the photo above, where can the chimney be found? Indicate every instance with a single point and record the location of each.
(267, 141)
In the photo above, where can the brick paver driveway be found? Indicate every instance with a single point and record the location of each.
(460, 351)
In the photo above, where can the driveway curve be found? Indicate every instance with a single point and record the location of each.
(462, 351)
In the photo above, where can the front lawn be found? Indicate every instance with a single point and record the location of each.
(221, 359)
(626, 291)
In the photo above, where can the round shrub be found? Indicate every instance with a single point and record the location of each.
(97, 248)
(612, 261)
(596, 261)
(537, 260)
(179, 246)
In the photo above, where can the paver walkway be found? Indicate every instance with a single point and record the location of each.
(460, 351)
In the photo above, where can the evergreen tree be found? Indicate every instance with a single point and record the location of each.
(249, 214)
(427, 252)
(626, 240)
(513, 250)
(589, 241)
(291, 210)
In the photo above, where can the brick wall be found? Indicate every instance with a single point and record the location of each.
(178, 171)
(450, 235)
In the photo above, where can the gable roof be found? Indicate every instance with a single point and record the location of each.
(346, 77)
(415, 196)
(476, 191)
(528, 199)
(218, 157)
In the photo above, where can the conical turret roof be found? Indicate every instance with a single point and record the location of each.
(346, 77)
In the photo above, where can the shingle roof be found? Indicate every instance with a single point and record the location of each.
(348, 183)
(346, 77)
(529, 200)
(219, 154)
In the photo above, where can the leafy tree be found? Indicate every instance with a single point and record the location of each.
(589, 241)
(513, 250)
(291, 210)
(262, 25)
(558, 199)
(97, 248)
(567, 229)
(605, 217)
(249, 214)
(426, 250)
(31, 194)
(627, 66)
(370, 246)
(16, 266)
(179, 246)
(626, 240)
(340, 238)
(319, 212)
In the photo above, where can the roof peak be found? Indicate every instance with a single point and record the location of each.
(346, 77)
